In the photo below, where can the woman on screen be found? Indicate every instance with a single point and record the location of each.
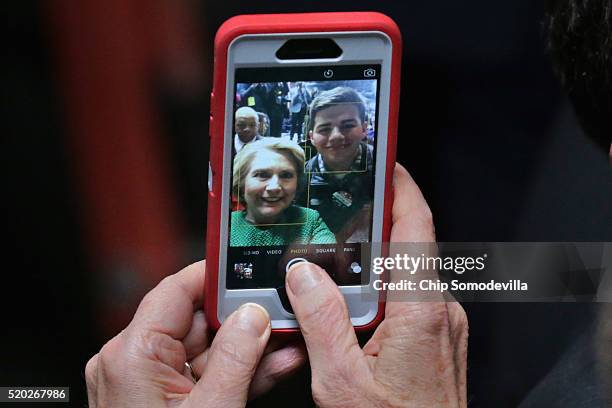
(266, 177)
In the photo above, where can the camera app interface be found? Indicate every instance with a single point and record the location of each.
(303, 153)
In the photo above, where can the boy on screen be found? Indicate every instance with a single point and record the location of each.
(340, 174)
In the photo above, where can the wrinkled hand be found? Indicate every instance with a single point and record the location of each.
(144, 365)
(417, 356)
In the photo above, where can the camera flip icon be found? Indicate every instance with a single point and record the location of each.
(369, 73)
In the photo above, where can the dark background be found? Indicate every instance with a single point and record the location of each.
(484, 129)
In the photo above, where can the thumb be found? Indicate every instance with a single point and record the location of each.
(233, 358)
(324, 320)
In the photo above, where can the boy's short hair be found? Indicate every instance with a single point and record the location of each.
(333, 97)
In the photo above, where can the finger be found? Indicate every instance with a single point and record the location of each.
(199, 362)
(277, 343)
(91, 379)
(412, 234)
(196, 340)
(459, 341)
(189, 373)
(280, 360)
(195, 343)
(275, 367)
(233, 358)
(412, 219)
(170, 306)
(323, 317)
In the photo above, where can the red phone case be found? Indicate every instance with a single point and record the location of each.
(284, 23)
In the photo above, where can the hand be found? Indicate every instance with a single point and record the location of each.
(417, 356)
(144, 365)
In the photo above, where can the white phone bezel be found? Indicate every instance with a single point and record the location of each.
(258, 50)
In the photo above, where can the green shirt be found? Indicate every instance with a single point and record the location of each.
(298, 225)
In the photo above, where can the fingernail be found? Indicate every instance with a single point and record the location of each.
(303, 277)
(252, 318)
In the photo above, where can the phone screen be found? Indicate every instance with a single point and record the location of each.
(303, 171)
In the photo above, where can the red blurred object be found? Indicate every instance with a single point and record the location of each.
(107, 53)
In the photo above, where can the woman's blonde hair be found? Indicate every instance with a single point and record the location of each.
(242, 161)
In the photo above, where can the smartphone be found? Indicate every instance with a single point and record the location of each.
(303, 132)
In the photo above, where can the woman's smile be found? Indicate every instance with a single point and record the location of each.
(271, 199)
